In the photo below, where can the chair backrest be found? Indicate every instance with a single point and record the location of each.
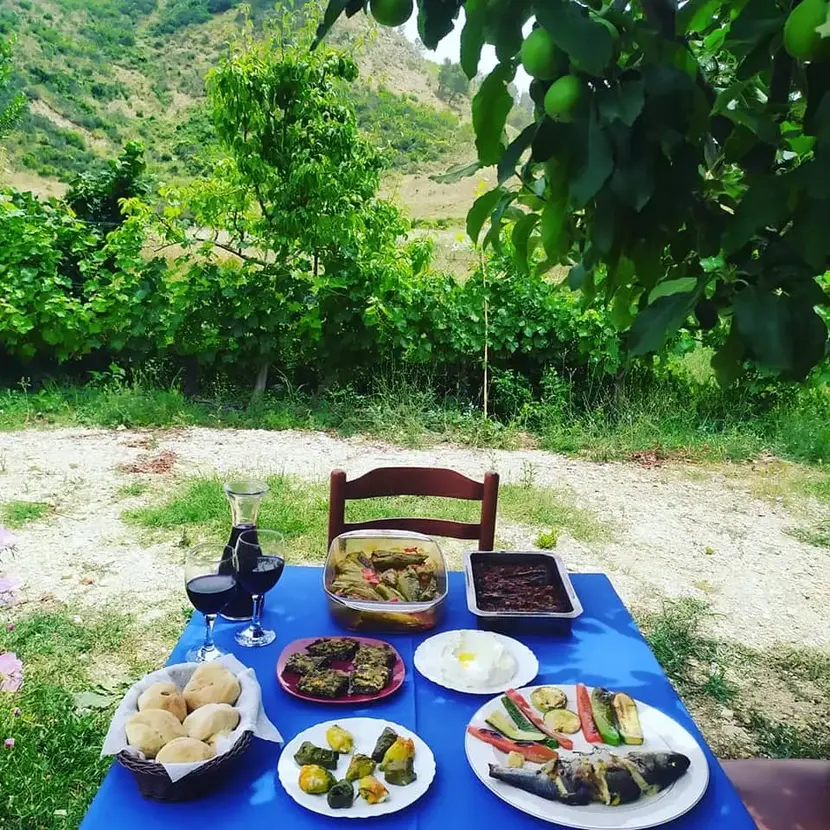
(416, 481)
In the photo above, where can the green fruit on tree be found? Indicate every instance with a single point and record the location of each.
(801, 39)
(540, 57)
(562, 97)
(391, 12)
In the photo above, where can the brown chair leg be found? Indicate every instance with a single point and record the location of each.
(784, 795)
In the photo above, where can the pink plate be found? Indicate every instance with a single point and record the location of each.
(288, 680)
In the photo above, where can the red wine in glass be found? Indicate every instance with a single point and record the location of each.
(261, 574)
(259, 560)
(210, 593)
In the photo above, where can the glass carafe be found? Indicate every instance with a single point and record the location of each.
(245, 496)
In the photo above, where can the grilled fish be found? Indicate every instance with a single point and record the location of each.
(600, 777)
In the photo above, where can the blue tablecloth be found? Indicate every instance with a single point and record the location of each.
(606, 649)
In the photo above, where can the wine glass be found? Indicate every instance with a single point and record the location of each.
(258, 562)
(209, 587)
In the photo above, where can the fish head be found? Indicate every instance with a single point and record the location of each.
(661, 769)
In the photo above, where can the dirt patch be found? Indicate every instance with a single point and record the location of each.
(156, 464)
(705, 536)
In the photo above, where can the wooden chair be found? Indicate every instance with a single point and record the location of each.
(783, 795)
(416, 481)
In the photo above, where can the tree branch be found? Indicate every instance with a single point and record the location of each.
(662, 14)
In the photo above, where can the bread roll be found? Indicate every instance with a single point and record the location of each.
(213, 740)
(211, 683)
(151, 729)
(209, 719)
(163, 696)
(184, 751)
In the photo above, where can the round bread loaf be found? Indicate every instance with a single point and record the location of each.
(151, 729)
(214, 740)
(163, 696)
(185, 751)
(210, 683)
(209, 719)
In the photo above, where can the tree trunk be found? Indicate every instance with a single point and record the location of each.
(261, 379)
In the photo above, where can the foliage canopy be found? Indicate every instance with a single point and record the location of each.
(689, 183)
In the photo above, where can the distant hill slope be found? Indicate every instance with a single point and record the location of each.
(101, 72)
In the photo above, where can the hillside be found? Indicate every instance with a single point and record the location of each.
(98, 73)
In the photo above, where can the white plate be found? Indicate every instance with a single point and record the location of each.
(365, 731)
(526, 669)
(660, 732)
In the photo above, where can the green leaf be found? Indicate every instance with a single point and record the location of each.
(633, 182)
(697, 15)
(480, 212)
(598, 166)
(728, 360)
(455, 174)
(658, 321)
(510, 157)
(436, 20)
(668, 287)
(764, 204)
(491, 106)
(622, 103)
(333, 11)
(782, 332)
(576, 276)
(587, 43)
(521, 238)
(551, 225)
(473, 36)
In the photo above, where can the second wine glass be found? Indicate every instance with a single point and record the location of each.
(258, 561)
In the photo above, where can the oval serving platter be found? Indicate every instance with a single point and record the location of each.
(661, 733)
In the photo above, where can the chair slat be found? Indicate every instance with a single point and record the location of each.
(414, 481)
(429, 527)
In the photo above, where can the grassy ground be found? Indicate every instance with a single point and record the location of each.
(747, 703)
(15, 514)
(51, 773)
(700, 425)
(198, 509)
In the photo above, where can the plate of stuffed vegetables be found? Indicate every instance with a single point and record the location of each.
(340, 669)
(588, 758)
(356, 768)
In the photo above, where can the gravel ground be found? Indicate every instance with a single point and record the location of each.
(677, 530)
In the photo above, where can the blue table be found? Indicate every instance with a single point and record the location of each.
(606, 649)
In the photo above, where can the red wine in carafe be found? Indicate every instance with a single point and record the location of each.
(241, 605)
(210, 593)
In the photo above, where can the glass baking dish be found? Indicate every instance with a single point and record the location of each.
(549, 570)
(360, 614)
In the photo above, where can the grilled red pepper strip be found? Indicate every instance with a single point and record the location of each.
(586, 716)
(536, 753)
(527, 710)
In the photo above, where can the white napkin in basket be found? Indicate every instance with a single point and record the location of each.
(252, 715)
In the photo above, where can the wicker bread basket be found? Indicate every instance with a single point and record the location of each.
(154, 783)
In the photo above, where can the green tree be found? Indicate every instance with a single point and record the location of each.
(293, 201)
(11, 104)
(97, 196)
(681, 170)
(453, 84)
